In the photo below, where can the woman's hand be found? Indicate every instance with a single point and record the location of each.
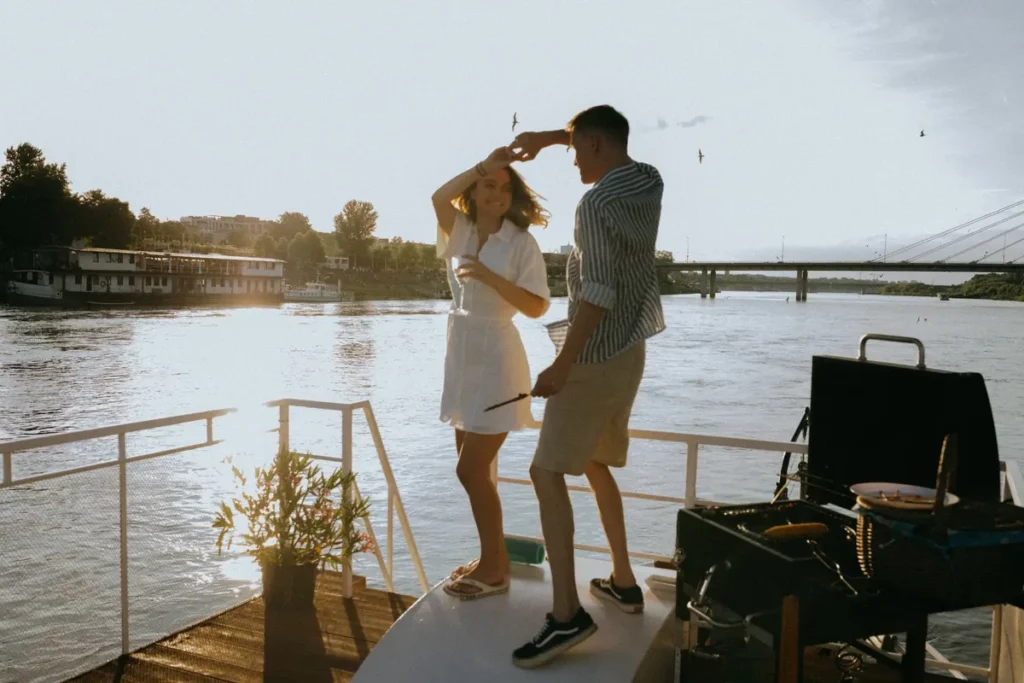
(498, 159)
(475, 270)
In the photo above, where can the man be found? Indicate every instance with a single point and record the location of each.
(614, 306)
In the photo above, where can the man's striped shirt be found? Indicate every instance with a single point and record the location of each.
(612, 263)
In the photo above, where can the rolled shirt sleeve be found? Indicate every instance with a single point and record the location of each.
(597, 256)
(533, 271)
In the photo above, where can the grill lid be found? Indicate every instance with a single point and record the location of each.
(876, 421)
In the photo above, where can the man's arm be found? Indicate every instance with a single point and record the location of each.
(597, 270)
(527, 146)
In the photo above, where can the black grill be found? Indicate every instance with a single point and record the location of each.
(869, 422)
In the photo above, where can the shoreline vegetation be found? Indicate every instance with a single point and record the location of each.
(38, 208)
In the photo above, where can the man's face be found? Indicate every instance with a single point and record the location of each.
(586, 147)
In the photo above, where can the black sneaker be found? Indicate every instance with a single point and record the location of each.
(630, 600)
(555, 638)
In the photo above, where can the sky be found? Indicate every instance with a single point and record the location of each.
(808, 113)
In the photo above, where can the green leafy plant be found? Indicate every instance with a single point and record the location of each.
(297, 514)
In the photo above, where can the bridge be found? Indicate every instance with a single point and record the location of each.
(965, 244)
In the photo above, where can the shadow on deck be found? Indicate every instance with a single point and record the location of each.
(248, 644)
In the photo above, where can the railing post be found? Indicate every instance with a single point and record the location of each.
(691, 474)
(995, 644)
(391, 531)
(346, 468)
(122, 457)
(282, 427)
(8, 470)
(209, 430)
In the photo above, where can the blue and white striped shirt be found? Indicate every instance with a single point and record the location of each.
(612, 263)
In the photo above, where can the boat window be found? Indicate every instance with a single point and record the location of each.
(131, 280)
(120, 280)
(78, 279)
(96, 258)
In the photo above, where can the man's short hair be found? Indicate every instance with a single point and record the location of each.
(603, 119)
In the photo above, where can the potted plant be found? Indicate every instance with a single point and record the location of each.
(298, 520)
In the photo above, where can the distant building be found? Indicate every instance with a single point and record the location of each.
(565, 249)
(335, 263)
(215, 229)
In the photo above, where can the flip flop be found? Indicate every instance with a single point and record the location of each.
(463, 570)
(484, 590)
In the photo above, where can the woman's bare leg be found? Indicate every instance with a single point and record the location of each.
(476, 453)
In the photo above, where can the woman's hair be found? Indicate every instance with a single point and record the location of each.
(525, 209)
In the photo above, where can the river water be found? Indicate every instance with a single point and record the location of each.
(739, 365)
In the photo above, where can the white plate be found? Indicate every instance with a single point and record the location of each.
(904, 496)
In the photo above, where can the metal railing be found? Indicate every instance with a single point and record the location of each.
(9, 449)
(693, 444)
(1013, 489)
(395, 505)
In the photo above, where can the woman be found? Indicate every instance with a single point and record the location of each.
(495, 270)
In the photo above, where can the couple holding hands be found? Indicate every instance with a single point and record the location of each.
(496, 269)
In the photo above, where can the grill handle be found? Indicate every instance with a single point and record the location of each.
(862, 356)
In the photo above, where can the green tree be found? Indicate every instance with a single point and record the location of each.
(353, 230)
(107, 221)
(264, 246)
(306, 251)
(290, 224)
(239, 238)
(36, 204)
(147, 226)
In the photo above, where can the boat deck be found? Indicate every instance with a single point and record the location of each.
(244, 644)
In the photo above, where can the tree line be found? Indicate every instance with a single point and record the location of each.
(38, 208)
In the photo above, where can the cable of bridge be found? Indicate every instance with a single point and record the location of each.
(1003, 249)
(978, 244)
(947, 232)
(966, 237)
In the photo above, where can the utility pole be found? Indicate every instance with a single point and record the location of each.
(783, 248)
(885, 247)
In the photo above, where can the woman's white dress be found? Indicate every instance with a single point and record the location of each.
(485, 362)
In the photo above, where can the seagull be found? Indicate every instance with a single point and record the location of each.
(514, 121)
(700, 156)
(922, 133)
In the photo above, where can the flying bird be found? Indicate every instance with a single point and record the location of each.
(922, 133)
(700, 156)
(514, 121)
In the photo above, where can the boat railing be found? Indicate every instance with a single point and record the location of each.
(10, 449)
(1007, 623)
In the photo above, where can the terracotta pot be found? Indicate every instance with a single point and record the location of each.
(289, 586)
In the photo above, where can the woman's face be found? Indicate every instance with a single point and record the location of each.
(493, 194)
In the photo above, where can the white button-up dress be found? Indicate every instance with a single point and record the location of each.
(485, 362)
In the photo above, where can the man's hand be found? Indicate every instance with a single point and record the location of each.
(551, 381)
(472, 269)
(527, 146)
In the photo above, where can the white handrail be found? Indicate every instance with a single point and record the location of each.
(9, 448)
(394, 496)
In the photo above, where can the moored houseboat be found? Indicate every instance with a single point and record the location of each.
(64, 276)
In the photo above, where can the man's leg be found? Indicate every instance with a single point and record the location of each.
(558, 527)
(613, 518)
(623, 382)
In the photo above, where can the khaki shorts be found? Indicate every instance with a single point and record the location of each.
(589, 418)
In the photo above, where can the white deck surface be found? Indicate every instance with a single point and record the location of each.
(443, 639)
